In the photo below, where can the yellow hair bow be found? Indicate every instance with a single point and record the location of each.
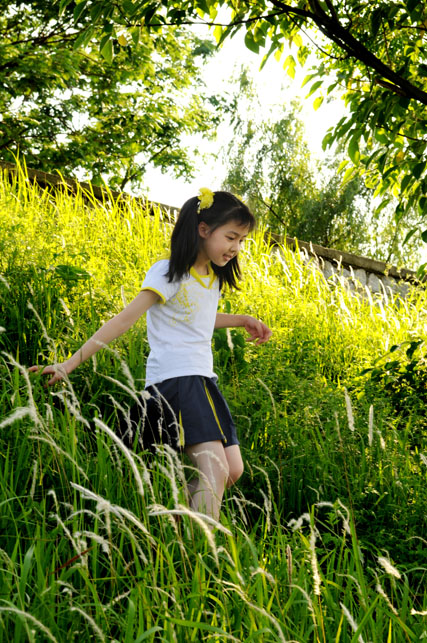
(206, 198)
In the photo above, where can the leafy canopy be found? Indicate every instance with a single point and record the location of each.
(67, 104)
(375, 51)
(269, 164)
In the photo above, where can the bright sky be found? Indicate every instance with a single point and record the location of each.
(273, 85)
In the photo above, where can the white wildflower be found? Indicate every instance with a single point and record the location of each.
(354, 626)
(349, 411)
(389, 568)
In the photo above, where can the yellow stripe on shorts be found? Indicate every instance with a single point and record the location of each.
(208, 395)
(181, 431)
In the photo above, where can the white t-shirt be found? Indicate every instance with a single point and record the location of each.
(180, 326)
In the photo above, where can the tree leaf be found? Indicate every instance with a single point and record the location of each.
(203, 6)
(381, 135)
(422, 207)
(149, 12)
(135, 32)
(409, 236)
(79, 10)
(307, 79)
(399, 212)
(412, 4)
(353, 148)
(107, 51)
(331, 87)
(250, 42)
(295, 38)
(406, 181)
(273, 47)
(96, 12)
(418, 169)
(327, 140)
(129, 8)
(63, 5)
(289, 64)
(217, 33)
(314, 86)
(316, 104)
(376, 18)
(349, 174)
(83, 38)
(422, 271)
(105, 38)
(384, 203)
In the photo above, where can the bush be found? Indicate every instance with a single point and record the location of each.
(401, 376)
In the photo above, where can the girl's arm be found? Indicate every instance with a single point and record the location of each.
(109, 331)
(257, 329)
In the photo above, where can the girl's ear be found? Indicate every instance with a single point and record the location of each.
(204, 229)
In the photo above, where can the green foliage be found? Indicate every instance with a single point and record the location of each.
(375, 51)
(67, 106)
(324, 531)
(402, 374)
(229, 346)
(269, 164)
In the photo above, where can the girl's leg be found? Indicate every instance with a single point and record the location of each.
(206, 492)
(235, 464)
(218, 468)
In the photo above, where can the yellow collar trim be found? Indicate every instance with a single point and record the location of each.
(202, 278)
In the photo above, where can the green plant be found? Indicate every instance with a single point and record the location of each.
(402, 375)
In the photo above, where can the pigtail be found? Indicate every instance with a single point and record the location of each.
(184, 241)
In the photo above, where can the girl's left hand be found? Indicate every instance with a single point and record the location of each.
(258, 331)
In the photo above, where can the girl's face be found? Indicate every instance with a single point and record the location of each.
(221, 244)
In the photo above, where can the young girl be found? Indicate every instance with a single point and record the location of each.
(180, 296)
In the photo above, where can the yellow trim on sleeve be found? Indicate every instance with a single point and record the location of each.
(162, 297)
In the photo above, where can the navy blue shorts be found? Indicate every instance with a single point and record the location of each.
(180, 411)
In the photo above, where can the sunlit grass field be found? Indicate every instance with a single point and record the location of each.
(324, 539)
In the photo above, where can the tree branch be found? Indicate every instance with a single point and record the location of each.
(334, 30)
(267, 205)
(235, 23)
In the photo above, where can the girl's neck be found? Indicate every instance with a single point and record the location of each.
(201, 265)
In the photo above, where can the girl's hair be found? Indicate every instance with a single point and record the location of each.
(185, 240)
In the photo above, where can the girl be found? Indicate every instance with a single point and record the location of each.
(180, 296)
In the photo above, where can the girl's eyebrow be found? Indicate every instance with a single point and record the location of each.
(238, 234)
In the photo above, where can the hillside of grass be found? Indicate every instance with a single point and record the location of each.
(323, 539)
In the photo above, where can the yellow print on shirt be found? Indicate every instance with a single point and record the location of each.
(188, 307)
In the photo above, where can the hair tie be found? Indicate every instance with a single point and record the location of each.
(206, 198)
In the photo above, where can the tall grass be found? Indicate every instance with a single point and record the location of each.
(323, 540)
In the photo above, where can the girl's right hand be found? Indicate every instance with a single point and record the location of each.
(59, 371)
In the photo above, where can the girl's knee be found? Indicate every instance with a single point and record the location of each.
(213, 467)
(234, 473)
(235, 464)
